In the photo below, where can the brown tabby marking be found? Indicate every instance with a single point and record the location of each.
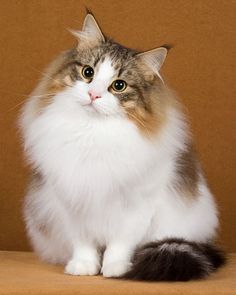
(188, 172)
(42, 227)
(147, 121)
(56, 78)
(46, 99)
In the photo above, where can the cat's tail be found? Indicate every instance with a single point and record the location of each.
(174, 260)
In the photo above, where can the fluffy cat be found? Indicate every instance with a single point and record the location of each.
(117, 188)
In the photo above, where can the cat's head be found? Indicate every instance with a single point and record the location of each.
(107, 79)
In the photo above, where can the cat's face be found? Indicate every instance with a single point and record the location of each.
(105, 78)
(96, 87)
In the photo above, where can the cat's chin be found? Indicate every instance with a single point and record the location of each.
(89, 108)
(92, 109)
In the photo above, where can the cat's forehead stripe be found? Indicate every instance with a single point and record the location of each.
(106, 70)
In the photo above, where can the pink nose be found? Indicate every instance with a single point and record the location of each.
(94, 95)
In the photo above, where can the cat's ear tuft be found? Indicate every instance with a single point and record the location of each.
(154, 58)
(91, 33)
(91, 27)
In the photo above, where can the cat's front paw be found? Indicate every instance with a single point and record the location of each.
(82, 268)
(115, 269)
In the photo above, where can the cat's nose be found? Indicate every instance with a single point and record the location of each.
(94, 95)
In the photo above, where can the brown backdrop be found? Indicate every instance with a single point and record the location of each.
(199, 67)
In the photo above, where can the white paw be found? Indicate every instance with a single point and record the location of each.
(82, 268)
(115, 269)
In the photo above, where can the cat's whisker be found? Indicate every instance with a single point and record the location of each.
(24, 100)
(14, 93)
(17, 105)
(44, 95)
(62, 83)
(49, 77)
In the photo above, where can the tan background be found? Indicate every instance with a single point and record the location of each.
(200, 68)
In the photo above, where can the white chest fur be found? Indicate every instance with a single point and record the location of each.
(86, 155)
(111, 180)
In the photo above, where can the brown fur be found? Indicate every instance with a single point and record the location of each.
(59, 75)
(52, 90)
(148, 115)
(187, 172)
(35, 182)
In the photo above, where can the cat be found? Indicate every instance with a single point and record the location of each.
(117, 188)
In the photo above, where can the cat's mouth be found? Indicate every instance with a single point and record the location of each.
(90, 107)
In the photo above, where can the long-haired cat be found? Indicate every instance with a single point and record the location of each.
(117, 188)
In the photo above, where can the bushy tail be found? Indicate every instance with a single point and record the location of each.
(174, 260)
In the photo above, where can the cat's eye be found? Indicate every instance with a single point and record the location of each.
(87, 72)
(119, 85)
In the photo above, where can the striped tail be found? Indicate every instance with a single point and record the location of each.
(174, 260)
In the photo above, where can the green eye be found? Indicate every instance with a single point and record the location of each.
(119, 85)
(87, 72)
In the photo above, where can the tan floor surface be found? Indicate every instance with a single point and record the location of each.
(23, 273)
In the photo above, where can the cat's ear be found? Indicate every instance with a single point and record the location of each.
(92, 28)
(91, 33)
(154, 58)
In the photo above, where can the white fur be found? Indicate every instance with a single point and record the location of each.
(105, 184)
